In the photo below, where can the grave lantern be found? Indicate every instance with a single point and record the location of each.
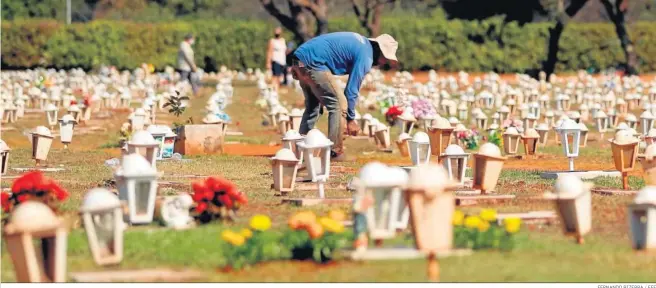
(602, 122)
(283, 124)
(462, 111)
(9, 113)
(574, 115)
(454, 160)
(648, 164)
(158, 133)
(371, 128)
(168, 143)
(511, 103)
(625, 152)
(4, 157)
(544, 101)
(403, 145)
(432, 205)
(584, 111)
(530, 139)
(295, 119)
(383, 136)
(650, 138)
(144, 144)
(529, 121)
(284, 165)
(487, 167)
(66, 125)
(420, 148)
(41, 142)
(596, 108)
(440, 135)
(631, 120)
(126, 97)
(364, 123)
(481, 121)
(620, 105)
(316, 154)
(30, 223)
(523, 110)
(495, 118)
(570, 135)
(102, 215)
(511, 141)
(290, 141)
(504, 112)
(74, 110)
(543, 131)
(584, 134)
(550, 118)
(534, 108)
(406, 121)
(20, 108)
(562, 102)
(138, 119)
(613, 120)
(388, 212)
(136, 180)
(642, 219)
(646, 122)
(572, 199)
(51, 114)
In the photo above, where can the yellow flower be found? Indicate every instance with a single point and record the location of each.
(331, 225)
(246, 233)
(337, 215)
(232, 238)
(260, 222)
(488, 215)
(483, 226)
(458, 218)
(512, 225)
(472, 222)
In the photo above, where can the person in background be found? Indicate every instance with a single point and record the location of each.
(277, 57)
(186, 63)
(315, 65)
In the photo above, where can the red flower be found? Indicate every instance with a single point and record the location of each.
(201, 207)
(29, 181)
(60, 193)
(393, 112)
(22, 198)
(5, 201)
(73, 102)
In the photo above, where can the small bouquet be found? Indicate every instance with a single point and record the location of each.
(482, 231)
(422, 108)
(495, 138)
(392, 113)
(315, 238)
(33, 186)
(470, 138)
(216, 198)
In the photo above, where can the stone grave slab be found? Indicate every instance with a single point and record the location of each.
(533, 216)
(584, 175)
(147, 275)
(613, 191)
(400, 253)
(306, 202)
(42, 169)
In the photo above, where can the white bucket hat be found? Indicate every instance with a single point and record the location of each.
(388, 46)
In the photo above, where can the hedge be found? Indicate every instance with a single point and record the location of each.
(423, 43)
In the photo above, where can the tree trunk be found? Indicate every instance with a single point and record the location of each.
(374, 30)
(616, 14)
(549, 66)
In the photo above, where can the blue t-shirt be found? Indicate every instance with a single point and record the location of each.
(342, 53)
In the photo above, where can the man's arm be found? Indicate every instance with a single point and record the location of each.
(360, 68)
(269, 55)
(189, 57)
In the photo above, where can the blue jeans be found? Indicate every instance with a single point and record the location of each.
(188, 75)
(320, 88)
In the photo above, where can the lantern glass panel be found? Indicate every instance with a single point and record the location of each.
(639, 228)
(104, 226)
(142, 193)
(628, 158)
(480, 166)
(423, 151)
(288, 174)
(381, 208)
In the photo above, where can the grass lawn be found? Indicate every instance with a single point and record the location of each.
(542, 253)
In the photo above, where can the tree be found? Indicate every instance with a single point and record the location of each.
(370, 14)
(562, 18)
(616, 10)
(298, 22)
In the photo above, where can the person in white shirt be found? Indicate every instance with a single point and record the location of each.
(277, 57)
(186, 63)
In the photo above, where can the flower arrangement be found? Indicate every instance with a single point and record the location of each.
(495, 138)
(470, 138)
(511, 123)
(33, 186)
(216, 198)
(422, 108)
(308, 238)
(483, 232)
(392, 113)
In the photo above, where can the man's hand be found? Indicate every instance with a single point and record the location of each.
(194, 68)
(352, 128)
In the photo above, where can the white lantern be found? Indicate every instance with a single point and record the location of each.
(145, 145)
(158, 133)
(102, 215)
(290, 141)
(613, 120)
(642, 219)
(316, 154)
(283, 124)
(511, 139)
(383, 136)
(454, 160)
(402, 143)
(4, 157)
(420, 149)
(284, 166)
(30, 222)
(364, 122)
(406, 121)
(138, 119)
(389, 211)
(66, 125)
(41, 142)
(602, 121)
(74, 110)
(296, 116)
(136, 180)
(646, 122)
(574, 205)
(570, 132)
(481, 121)
(534, 108)
(462, 111)
(504, 112)
(631, 120)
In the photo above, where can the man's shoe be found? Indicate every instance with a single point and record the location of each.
(334, 157)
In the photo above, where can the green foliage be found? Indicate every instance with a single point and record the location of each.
(424, 42)
(472, 238)
(175, 104)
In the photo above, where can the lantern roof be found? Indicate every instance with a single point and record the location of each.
(380, 127)
(32, 216)
(367, 116)
(489, 149)
(504, 109)
(431, 178)
(283, 117)
(404, 136)
(584, 107)
(622, 126)
(623, 137)
(460, 127)
(531, 133)
(496, 115)
(315, 139)
(376, 174)
(373, 122)
(620, 101)
(142, 138)
(407, 116)
(135, 165)
(298, 113)
(3, 146)
(42, 130)
(574, 115)
(421, 137)
(211, 118)
(646, 195)
(68, 118)
(511, 131)
(646, 115)
(156, 129)
(454, 149)
(51, 107)
(630, 117)
(284, 154)
(453, 120)
(568, 187)
(73, 108)
(100, 199)
(493, 126)
(600, 114)
(292, 135)
(140, 112)
(650, 152)
(441, 123)
(652, 132)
